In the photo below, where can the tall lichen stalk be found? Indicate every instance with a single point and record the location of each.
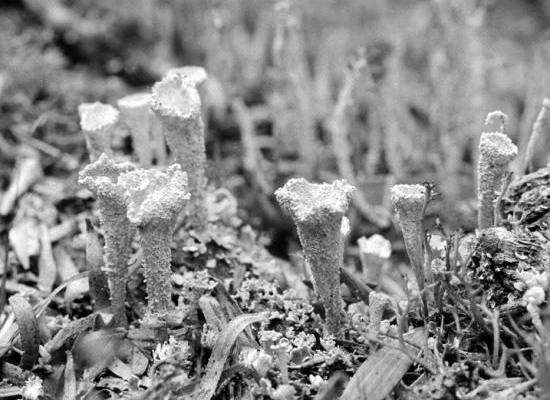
(409, 201)
(101, 178)
(318, 211)
(177, 104)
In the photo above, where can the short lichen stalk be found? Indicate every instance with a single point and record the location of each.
(154, 199)
(496, 151)
(177, 104)
(408, 202)
(100, 178)
(98, 121)
(134, 114)
(317, 211)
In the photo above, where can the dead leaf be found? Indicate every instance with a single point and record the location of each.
(47, 267)
(66, 269)
(24, 240)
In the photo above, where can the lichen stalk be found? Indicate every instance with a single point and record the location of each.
(177, 104)
(496, 151)
(135, 114)
(317, 211)
(154, 199)
(408, 203)
(98, 121)
(100, 178)
(156, 238)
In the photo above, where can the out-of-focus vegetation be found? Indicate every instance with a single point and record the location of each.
(375, 92)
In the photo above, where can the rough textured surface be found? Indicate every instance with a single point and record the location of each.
(496, 150)
(408, 202)
(97, 121)
(135, 114)
(317, 211)
(177, 104)
(156, 238)
(154, 195)
(100, 178)
(154, 199)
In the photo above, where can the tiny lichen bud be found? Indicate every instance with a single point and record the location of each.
(496, 151)
(100, 178)
(317, 211)
(192, 73)
(97, 121)
(135, 114)
(373, 252)
(177, 104)
(408, 203)
(154, 199)
(378, 303)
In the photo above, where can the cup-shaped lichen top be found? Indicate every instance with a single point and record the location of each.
(135, 114)
(177, 103)
(154, 199)
(100, 177)
(317, 211)
(154, 195)
(408, 203)
(496, 151)
(97, 121)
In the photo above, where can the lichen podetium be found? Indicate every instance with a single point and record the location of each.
(317, 211)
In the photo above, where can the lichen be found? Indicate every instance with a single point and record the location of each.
(496, 151)
(317, 211)
(154, 199)
(101, 178)
(177, 104)
(97, 121)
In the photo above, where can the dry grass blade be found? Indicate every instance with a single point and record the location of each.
(69, 388)
(97, 280)
(28, 330)
(221, 351)
(377, 376)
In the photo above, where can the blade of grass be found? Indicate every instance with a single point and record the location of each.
(378, 375)
(221, 351)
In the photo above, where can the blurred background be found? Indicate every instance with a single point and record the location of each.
(377, 92)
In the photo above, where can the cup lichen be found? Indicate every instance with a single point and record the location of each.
(101, 178)
(317, 211)
(154, 199)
